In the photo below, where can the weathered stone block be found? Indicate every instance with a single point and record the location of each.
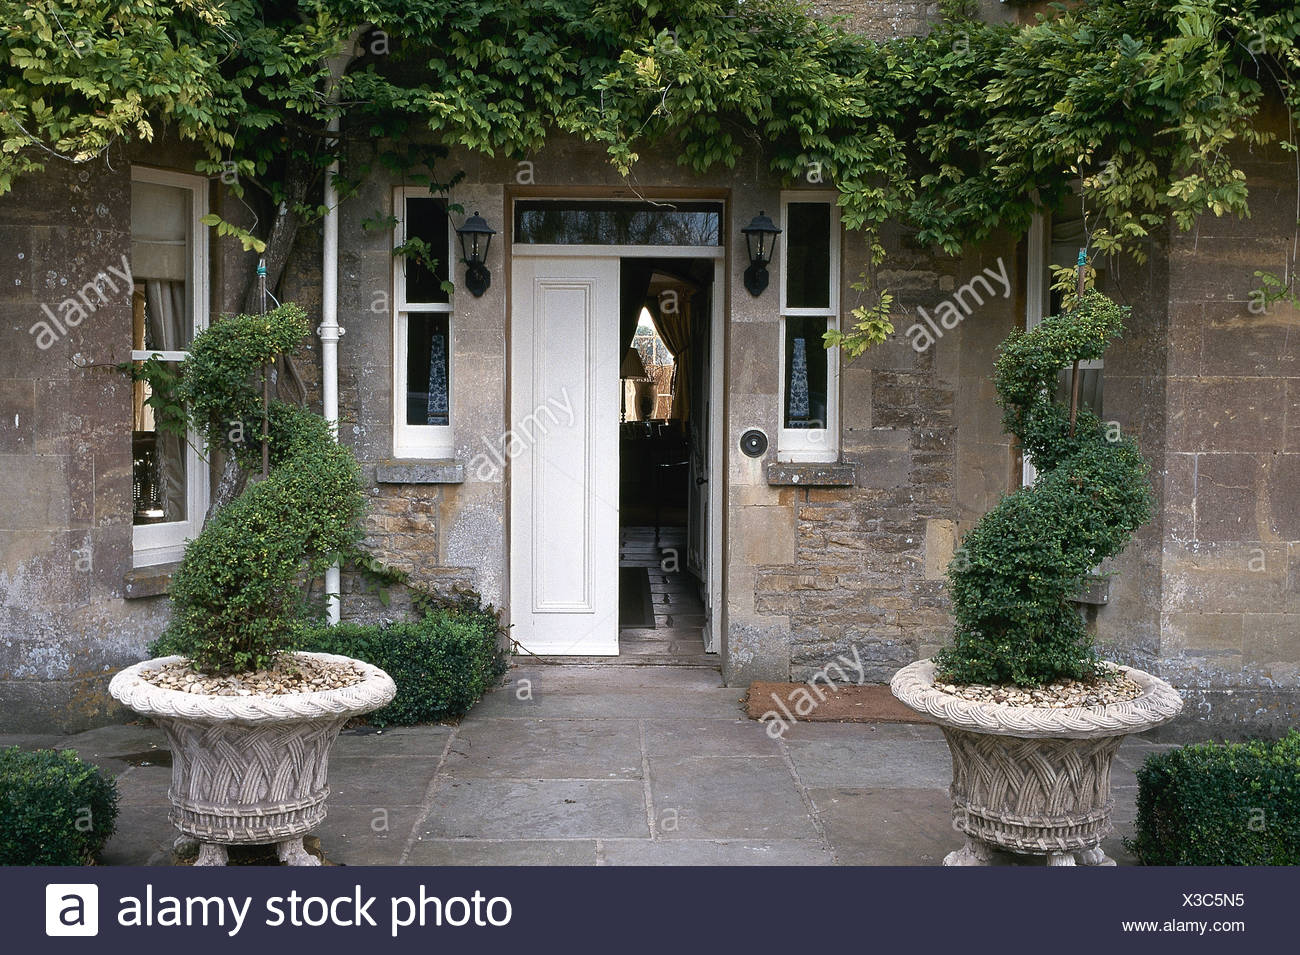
(1203, 634)
(1224, 577)
(812, 475)
(1227, 414)
(940, 543)
(423, 472)
(1228, 487)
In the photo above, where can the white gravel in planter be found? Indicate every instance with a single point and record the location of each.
(289, 674)
(1058, 696)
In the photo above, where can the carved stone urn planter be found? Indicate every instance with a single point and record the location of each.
(1030, 780)
(249, 770)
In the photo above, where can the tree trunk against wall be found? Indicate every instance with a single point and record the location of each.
(286, 381)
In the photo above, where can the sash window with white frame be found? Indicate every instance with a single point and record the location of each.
(1054, 241)
(169, 295)
(422, 326)
(810, 266)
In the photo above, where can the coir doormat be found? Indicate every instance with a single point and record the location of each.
(819, 703)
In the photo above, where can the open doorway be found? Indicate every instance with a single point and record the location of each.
(665, 325)
(574, 315)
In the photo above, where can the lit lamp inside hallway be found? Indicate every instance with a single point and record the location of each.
(633, 369)
(475, 237)
(760, 237)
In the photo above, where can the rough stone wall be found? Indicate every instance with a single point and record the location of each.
(65, 450)
(887, 19)
(881, 19)
(865, 581)
(1230, 607)
(1134, 390)
(443, 535)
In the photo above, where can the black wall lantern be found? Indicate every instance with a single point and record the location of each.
(475, 237)
(760, 237)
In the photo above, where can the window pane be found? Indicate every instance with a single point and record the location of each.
(808, 255)
(1090, 381)
(158, 480)
(161, 265)
(427, 391)
(427, 269)
(545, 222)
(806, 365)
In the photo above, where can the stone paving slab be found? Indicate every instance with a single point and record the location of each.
(711, 797)
(367, 834)
(357, 781)
(515, 852)
(708, 737)
(860, 731)
(425, 742)
(905, 826)
(637, 702)
(872, 763)
(537, 809)
(535, 748)
(144, 786)
(143, 836)
(740, 852)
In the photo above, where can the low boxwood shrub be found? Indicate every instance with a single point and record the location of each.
(1236, 804)
(54, 808)
(442, 663)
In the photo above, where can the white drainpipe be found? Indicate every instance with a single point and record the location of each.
(330, 331)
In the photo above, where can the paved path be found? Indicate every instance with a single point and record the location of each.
(604, 765)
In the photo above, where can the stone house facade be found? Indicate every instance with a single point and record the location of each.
(832, 540)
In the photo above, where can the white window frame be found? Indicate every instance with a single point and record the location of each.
(164, 543)
(813, 445)
(1038, 297)
(419, 442)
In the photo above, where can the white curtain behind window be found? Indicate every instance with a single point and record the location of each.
(165, 302)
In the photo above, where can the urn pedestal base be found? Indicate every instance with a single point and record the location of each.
(976, 852)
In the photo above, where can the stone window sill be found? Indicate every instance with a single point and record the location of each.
(828, 474)
(1095, 592)
(154, 580)
(446, 471)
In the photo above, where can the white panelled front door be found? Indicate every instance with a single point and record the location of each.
(564, 455)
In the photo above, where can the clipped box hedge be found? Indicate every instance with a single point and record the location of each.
(54, 808)
(441, 663)
(1235, 804)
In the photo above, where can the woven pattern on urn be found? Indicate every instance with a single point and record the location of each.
(1032, 795)
(233, 783)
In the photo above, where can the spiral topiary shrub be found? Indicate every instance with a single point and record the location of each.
(1017, 569)
(237, 596)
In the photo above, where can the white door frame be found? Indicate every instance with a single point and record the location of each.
(717, 389)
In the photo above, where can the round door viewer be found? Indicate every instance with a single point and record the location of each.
(753, 442)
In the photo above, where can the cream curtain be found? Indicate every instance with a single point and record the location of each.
(167, 331)
(675, 329)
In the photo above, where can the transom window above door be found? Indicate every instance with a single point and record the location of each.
(617, 222)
